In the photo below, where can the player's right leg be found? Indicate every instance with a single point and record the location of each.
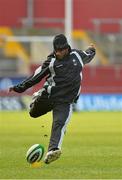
(61, 117)
(52, 156)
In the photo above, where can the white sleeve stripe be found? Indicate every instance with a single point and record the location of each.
(64, 127)
(78, 56)
(37, 71)
(86, 53)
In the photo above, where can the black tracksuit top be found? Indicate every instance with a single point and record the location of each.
(63, 77)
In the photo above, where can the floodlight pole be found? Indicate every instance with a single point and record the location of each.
(68, 20)
(30, 12)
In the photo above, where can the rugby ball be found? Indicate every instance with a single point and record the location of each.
(35, 153)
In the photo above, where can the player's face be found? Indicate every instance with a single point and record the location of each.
(61, 53)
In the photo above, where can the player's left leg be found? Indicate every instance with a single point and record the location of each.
(40, 105)
(61, 117)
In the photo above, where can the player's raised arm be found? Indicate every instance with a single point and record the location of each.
(88, 54)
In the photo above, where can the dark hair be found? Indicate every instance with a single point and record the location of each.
(60, 42)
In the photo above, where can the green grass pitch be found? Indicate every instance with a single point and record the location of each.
(92, 146)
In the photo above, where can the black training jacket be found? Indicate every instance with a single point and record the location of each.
(63, 77)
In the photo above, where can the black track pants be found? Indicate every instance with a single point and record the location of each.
(61, 116)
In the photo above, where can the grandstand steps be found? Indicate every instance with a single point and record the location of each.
(12, 50)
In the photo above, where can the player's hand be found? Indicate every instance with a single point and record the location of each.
(92, 46)
(11, 89)
(18, 89)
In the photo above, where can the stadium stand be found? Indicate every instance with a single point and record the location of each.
(19, 59)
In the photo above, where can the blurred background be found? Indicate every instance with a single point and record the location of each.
(27, 28)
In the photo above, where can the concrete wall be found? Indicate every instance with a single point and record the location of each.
(102, 79)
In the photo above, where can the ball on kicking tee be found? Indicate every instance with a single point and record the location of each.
(35, 154)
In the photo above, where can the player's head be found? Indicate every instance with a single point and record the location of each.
(60, 42)
(61, 46)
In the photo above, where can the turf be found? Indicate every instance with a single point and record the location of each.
(92, 147)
